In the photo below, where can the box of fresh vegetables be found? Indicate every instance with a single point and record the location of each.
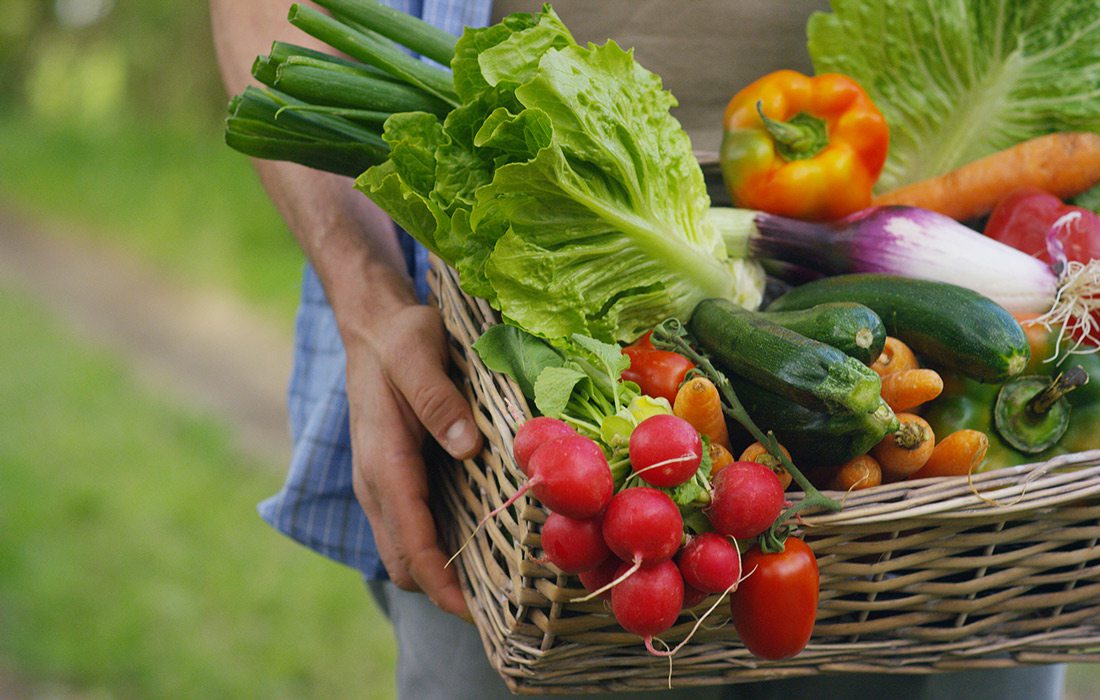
(844, 424)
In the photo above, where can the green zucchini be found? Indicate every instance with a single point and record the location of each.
(803, 370)
(854, 329)
(813, 437)
(949, 326)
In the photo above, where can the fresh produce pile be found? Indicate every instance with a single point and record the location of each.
(904, 341)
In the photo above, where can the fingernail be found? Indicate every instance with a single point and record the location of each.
(460, 437)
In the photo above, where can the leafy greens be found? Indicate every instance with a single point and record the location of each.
(561, 189)
(960, 80)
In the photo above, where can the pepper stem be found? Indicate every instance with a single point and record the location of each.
(802, 137)
(1063, 384)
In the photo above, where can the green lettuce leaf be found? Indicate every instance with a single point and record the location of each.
(562, 190)
(960, 80)
(520, 355)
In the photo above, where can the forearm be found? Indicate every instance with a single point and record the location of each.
(349, 241)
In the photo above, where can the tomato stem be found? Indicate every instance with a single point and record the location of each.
(672, 335)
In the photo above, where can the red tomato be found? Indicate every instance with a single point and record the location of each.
(659, 373)
(774, 608)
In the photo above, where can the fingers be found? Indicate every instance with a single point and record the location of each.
(391, 483)
(406, 537)
(416, 365)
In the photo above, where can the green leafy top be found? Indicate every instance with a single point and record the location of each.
(960, 80)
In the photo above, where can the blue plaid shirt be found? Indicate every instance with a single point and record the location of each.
(316, 505)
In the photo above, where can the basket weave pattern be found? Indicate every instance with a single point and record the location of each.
(935, 575)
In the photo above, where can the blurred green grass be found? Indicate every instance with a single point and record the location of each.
(134, 564)
(174, 196)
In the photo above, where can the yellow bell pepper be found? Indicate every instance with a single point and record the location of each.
(805, 147)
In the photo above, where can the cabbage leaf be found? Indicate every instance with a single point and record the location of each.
(957, 81)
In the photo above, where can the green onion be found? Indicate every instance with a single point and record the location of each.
(348, 159)
(270, 106)
(269, 124)
(265, 66)
(376, 51)
(410, 32)
(315, 82)
(355, 115)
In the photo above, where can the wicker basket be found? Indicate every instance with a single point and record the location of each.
(936, 575)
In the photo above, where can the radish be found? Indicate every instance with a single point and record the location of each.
(569, 475)
(574, 545)
(693, 596)
(746, 499)
(665, 450)
(648, 601)
(710, 562)
(597, 578)
(643, 526)
(533, 433)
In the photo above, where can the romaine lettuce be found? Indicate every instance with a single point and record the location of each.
(960, 80)
(562, 189)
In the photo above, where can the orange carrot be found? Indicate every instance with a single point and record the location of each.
(895, 357)
(860, 472)
(698, 403)
(956, 455)
(720, 458)
(906, 389)
(756, 452)
(1064, 164)
(904, 452)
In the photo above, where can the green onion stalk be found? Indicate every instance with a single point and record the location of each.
(326, 111)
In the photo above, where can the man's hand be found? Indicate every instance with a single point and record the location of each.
(397, 384)
(398, 387)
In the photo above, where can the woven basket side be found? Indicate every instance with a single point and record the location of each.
(917, 577)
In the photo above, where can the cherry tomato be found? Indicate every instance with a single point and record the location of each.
(775, 606)
(658, 373)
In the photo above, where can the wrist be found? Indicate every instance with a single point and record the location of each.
(365, 297)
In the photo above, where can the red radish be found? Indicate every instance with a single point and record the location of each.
(693, 596)
(747, 498)
(569, 475)
(597, 578)
(649, 601)
(573, 545)
(533, 433)
(665, 450)
(643, 525)
(710, 562)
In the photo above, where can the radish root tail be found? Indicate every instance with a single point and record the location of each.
(603, 589)
(489, 516)
(1077, 299)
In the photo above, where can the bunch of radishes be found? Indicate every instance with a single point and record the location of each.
(632, 545)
